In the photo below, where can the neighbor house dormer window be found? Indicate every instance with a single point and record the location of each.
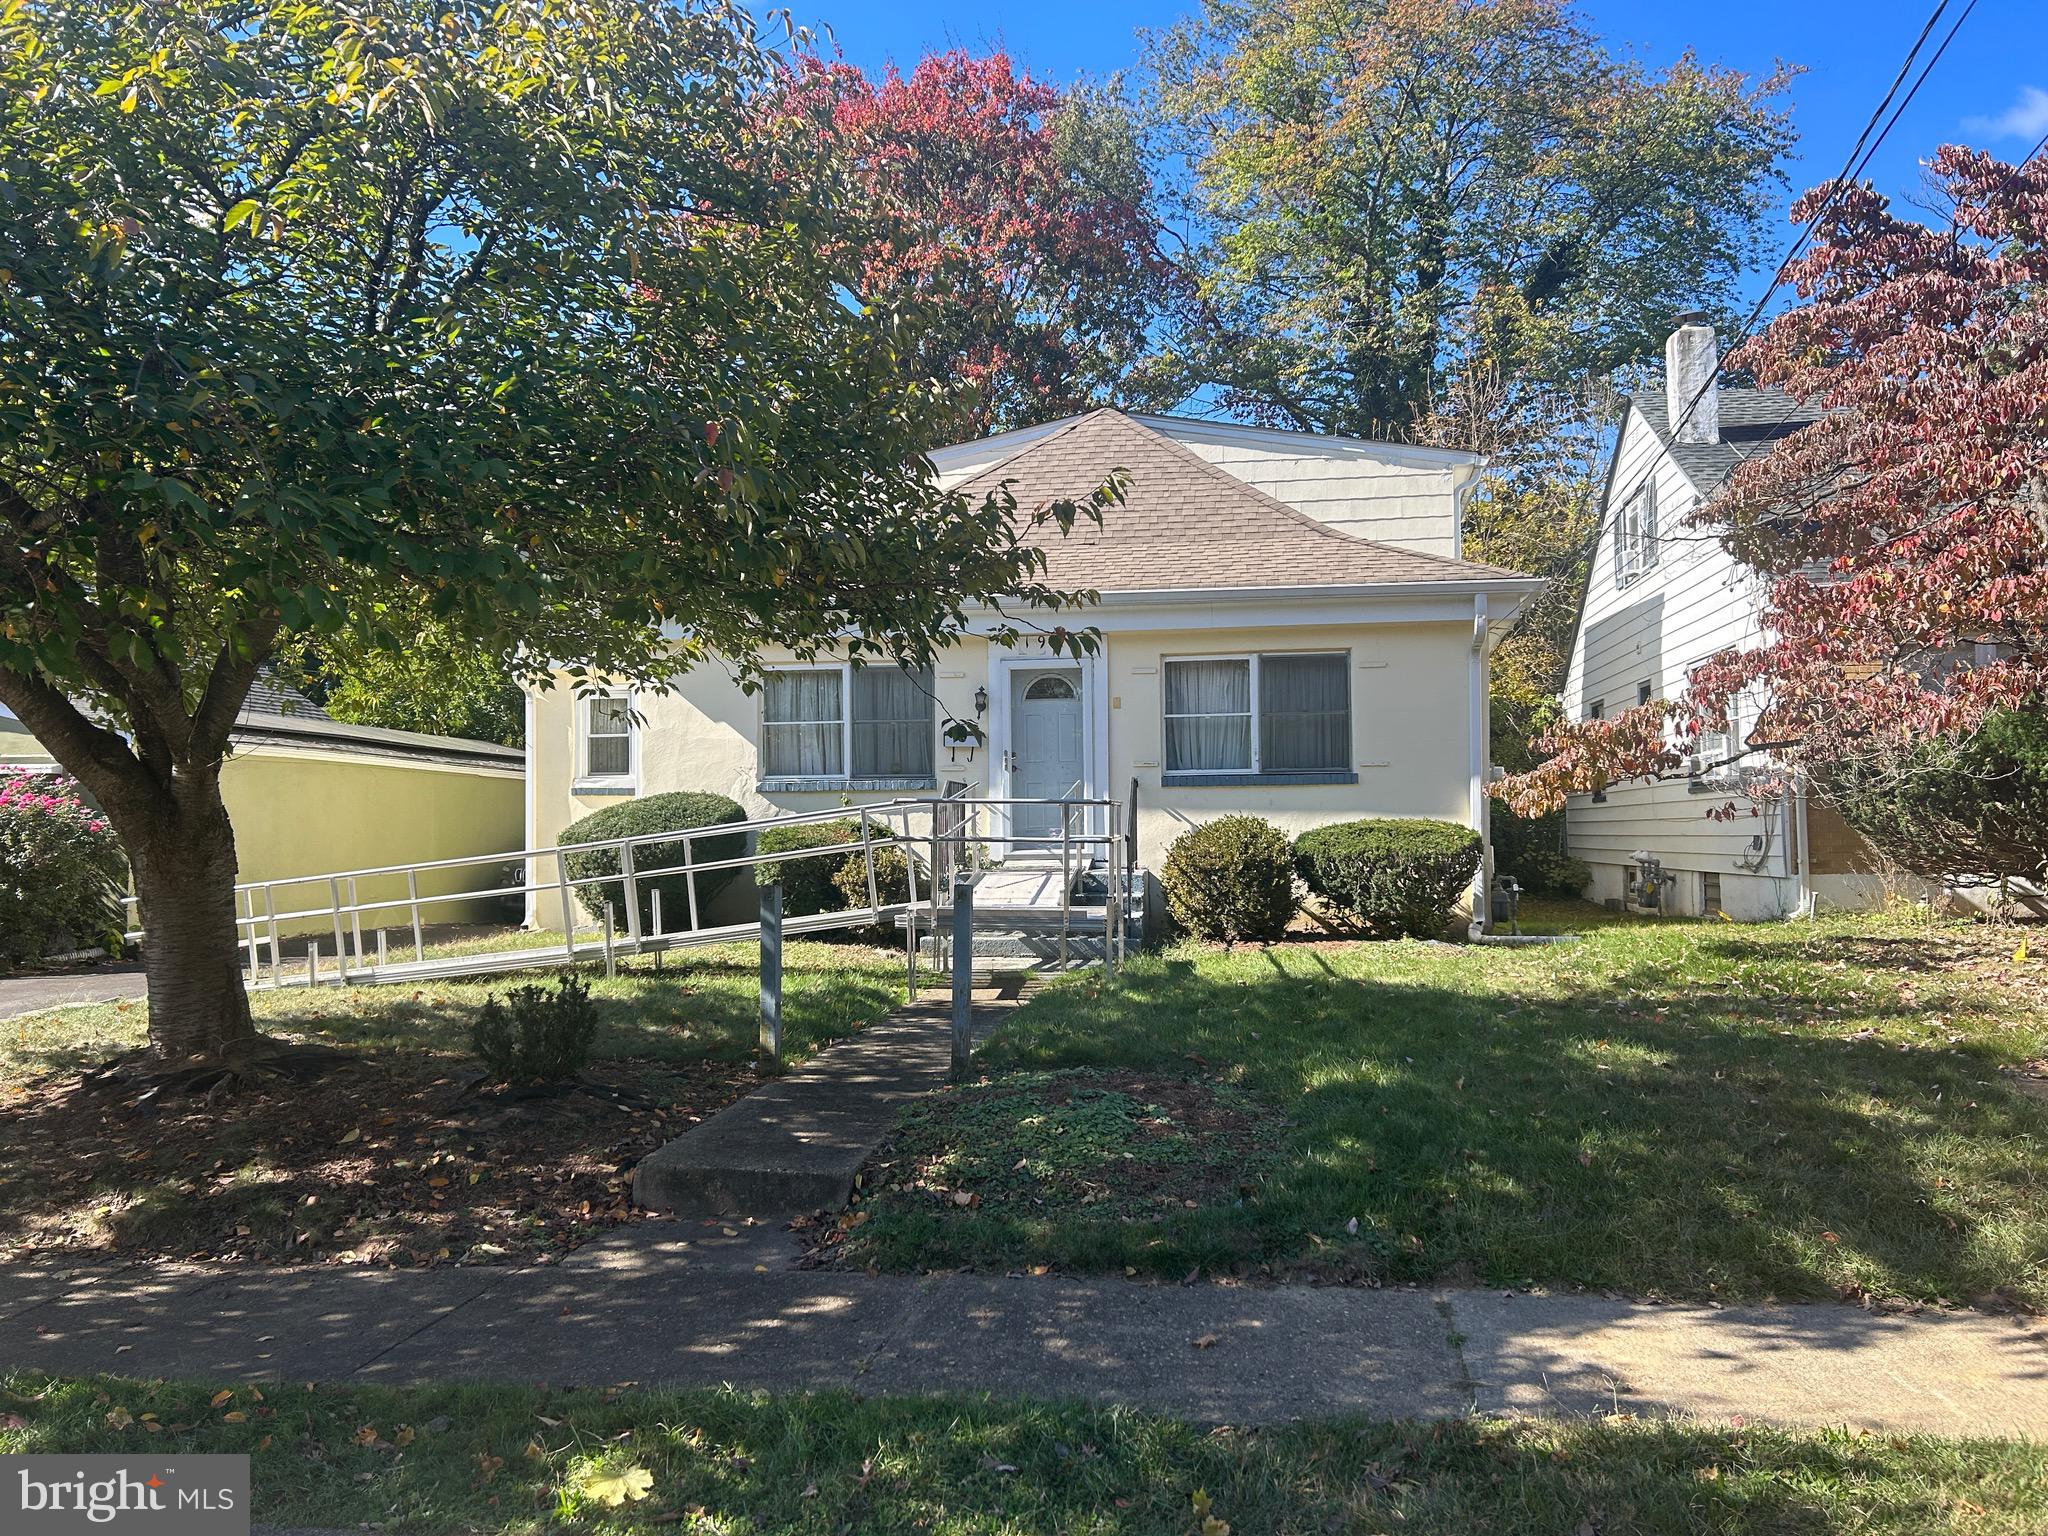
(1635, 535)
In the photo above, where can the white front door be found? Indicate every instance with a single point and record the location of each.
(1045, 747)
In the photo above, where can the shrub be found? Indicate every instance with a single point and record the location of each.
(892, 879)
(61, 870)
(680, 812)
(534, 1034)
(1969, 810)
(1531, 849)
(1231, 880)
(808, 885)
(1390, 877)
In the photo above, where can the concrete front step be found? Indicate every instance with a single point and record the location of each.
(796, 1143)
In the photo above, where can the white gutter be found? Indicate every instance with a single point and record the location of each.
(1478, 751)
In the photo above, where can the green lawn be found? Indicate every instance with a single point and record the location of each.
(703, 1004)
(517, 1460)
(1685, 1110)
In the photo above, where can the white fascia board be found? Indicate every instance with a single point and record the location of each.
(1248, 607)
(995, 450)
(1193, 429)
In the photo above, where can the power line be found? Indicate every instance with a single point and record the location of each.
(1868, 142)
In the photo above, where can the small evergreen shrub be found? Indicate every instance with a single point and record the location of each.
(62, 871)
(1231, 880)
(1531, 850)
(808, 884)
(534, 1034)
(892, 879)
(683, 811)
(1390, 877)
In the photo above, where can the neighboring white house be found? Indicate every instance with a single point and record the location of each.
(1286, 630)
(1660, 599)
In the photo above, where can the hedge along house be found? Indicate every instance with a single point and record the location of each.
(1286, 629)
(311, 795)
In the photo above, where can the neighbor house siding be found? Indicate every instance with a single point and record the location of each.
(1695, 601)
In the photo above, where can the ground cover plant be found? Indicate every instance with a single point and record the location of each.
(1850, 1108)
(515, 1460)
(1121, 1144)
(403, 1152)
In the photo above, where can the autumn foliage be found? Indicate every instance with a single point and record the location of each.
(1903, 536)
(1015, 216)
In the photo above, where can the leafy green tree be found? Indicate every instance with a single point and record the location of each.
(1394, 192)
(441, 683)
(318, 314)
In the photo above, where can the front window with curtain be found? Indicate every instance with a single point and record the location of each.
(1266, 714)
(847, 722)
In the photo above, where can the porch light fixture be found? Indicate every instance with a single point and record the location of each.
(980, 701)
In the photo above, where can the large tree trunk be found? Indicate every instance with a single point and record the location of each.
(182, 852)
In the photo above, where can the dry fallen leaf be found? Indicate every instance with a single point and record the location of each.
(614, 1488)
(223, 1396)
(1206, 1341)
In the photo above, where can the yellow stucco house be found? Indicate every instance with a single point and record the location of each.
(312, 795)
(1287, 628)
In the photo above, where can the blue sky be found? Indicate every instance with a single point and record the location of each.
(1991, 88)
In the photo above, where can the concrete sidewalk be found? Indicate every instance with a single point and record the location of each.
(682, 1304)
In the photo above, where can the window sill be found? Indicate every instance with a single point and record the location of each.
(1238, 780)
(604, 787)
(805, 786)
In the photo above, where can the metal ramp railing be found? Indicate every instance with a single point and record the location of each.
(940, 840)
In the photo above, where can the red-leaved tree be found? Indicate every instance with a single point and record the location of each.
(1903, 536)
(1017, 216)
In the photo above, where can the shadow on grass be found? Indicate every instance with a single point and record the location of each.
(833, 1462)
(1654, 1123)
(272, 1172)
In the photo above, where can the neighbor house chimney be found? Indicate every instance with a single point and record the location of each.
(1691, 367)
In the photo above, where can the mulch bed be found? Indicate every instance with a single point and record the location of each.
(390, 1161)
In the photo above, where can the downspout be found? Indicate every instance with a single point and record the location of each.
(1480, 752)
(1809, 898)
(527, 872)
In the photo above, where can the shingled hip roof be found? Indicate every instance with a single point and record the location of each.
(1186, 525)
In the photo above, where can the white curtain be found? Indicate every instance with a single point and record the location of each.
(802, 725)
(608, 739)
(1208, 716)
(1304, 713)
(892, 723)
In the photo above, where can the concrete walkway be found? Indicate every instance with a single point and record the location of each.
(796, 1143)
(683, 1304)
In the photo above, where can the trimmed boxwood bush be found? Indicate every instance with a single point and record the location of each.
(1231, 880)
(61, 870)
(1390, 877)
(807, 884)
(684, 811)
